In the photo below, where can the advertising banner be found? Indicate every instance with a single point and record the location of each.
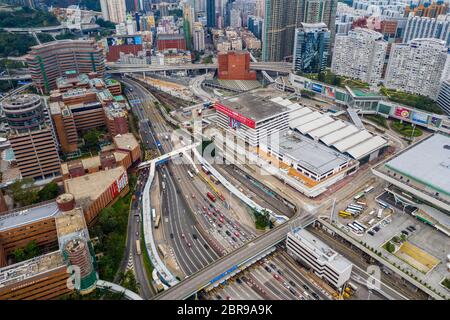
(119, 41)
(419, 117)
(317, 87)
(118, 185)
(235, 116)
(402, 112)
(329, 92)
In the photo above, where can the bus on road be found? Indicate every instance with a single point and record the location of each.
(211, 196)
(368, 189)
(205, 170)
(138, 247)
(158, 218)
(190, 174)
(153, 214)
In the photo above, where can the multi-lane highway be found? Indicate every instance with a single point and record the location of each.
(179, 226)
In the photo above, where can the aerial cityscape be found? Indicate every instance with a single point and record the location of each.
(225, 150)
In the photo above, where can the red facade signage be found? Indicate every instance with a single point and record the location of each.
(236, 116)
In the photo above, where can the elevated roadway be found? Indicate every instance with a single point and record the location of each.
(228, 264)
(114, 68)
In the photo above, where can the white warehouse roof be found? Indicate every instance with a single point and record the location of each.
(307, 118)
(366, 147)
(318, 123)
(352, 140)
(323, 131)
(338, 135)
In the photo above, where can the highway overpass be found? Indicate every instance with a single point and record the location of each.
(280, 67)
(113, 68)
(229, 264)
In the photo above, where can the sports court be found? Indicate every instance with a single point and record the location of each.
(416, 257)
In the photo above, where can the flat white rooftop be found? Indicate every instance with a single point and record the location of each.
(321, 250)
(310, 154)
(427, 162)
(24, 216)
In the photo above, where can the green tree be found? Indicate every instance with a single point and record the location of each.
(91, 139)
(19, 255)
(105, 24)
(49, 192)
(31, 250)
(23, 195)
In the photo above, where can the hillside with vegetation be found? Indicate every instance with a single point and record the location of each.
(27, 18)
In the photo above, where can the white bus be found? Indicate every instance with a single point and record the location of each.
(371, 212)
(158, 218)
(353, 211)
(153, 214)
(360, 229)
(370, 222)
(190, 174)
(380, 213)
(353, 228)
(359, 225)
(163, 185)
(356, 206)
(352, 286)
(368, 189)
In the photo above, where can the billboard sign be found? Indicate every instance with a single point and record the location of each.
(419, 117)
(235, 116)
(329, 92)
(120, 41)
(119, 185)
(317, 87)
(402, 112)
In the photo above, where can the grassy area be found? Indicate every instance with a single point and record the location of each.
(45, 37)
(95, 295)
(262, 220)
(379, 120)
(27, 18)
(446, 283)
(412, 100)
(15, 44)
(145, 257)
(405, 129)
(330, 78)
(389, 247)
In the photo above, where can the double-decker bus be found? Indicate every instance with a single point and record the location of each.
(211, 196)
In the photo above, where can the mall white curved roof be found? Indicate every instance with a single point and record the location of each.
(338, 135)
(323, 131)
(352, 140)
(318, 123)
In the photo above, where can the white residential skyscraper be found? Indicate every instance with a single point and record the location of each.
(113, 10)
(424, 27)
(359, 55)
(417, 67)
(199, 37)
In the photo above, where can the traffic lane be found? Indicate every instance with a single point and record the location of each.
(178, 243)
(291, 267)
(185, 220)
